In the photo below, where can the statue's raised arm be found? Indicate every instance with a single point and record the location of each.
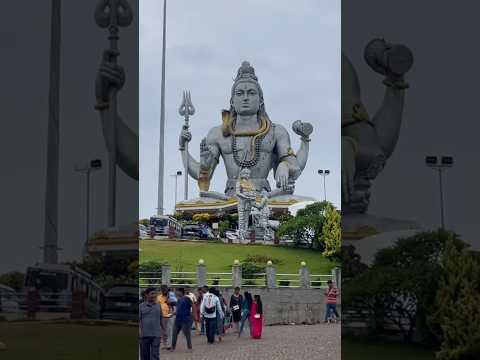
(112, 76)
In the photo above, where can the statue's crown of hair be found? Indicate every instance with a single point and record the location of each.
(246, 72)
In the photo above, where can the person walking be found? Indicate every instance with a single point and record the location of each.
(256, 317)
(246, 306)
(168, 319)
(331, 294)
(199, 321)
(209, 308)
(150, 326)
(183, 319)
(221, 316)
(235, 305)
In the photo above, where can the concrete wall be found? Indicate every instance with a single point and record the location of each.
(288, 305)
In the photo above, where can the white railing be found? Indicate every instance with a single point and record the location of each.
(269, 278)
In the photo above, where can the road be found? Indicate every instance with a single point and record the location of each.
(287, 342)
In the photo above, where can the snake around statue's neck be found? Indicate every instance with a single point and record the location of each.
(228, 128)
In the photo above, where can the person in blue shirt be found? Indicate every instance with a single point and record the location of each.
(183, 319)
(150, 318)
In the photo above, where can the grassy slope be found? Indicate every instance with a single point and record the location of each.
(219, 257)
(67, 342)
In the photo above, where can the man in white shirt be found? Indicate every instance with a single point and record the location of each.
(208, 310)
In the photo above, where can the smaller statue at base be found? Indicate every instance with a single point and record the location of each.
(246, 195)
(261, 217)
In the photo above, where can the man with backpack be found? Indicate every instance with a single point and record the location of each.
(209, 308)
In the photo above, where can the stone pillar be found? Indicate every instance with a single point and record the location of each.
(166, 275)
(271, 276)
(201, 274)
(337, 277)
(236, 274)
(304, 276)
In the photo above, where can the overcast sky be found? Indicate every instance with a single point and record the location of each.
(296, 54)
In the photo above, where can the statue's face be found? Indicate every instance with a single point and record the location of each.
(246, 99)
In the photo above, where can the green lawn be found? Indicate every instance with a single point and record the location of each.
(219, 257)
(358, 350)
(67, 341)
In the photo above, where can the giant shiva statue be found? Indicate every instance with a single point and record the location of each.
(248, 139)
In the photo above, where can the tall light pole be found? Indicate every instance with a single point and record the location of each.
(445, 163)
(176, 175)
(92, 166)
(50, 241)
(161, 157)
(324, 173)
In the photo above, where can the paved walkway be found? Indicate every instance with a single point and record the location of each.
(287, 342)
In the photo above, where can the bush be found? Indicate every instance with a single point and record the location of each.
(223, 226)
(261, 260)
(249, 269)
(151, 266)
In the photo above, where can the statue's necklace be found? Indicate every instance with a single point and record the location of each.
(256, 143)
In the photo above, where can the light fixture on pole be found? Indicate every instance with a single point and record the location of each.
(324, 173)
(445, 163)
(94, 165)
(176, 175)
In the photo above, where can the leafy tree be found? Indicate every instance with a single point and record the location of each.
(331, 232)
(457, 317)
(202, 217)
(13, 279)
(351, 262)
(306, 226)
(402, 282)
(145, 222)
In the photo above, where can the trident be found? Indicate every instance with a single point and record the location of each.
(113, 14)
(186, 110)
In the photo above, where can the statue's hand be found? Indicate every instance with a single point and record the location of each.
(185, 137)
(303, 129)
(110, 76)
(206, 156)
(281, 176)
(391, 60)
(348, 170)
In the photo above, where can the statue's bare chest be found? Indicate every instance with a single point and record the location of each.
(245, 145)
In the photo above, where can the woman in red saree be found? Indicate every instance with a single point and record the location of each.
(256, 317)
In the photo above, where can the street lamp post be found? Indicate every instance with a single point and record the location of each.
(324, 173)
(87, 169)
(445, 163)
(176, 175)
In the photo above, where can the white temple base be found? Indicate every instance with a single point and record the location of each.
(370, 233)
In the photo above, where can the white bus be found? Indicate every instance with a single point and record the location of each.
(57, 283)
(165, 225)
